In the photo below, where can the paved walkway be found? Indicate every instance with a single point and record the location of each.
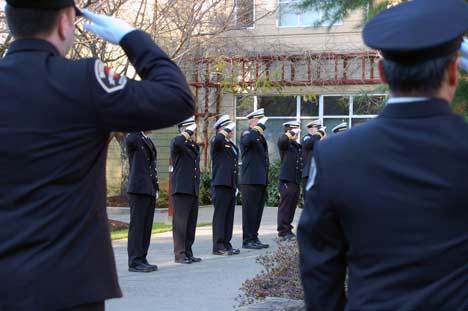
(211, 285)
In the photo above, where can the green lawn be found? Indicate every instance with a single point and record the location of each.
(157, 228)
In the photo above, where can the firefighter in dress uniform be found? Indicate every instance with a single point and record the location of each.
(254, 178)
(185, 155)
(225, 170)
(289, 178)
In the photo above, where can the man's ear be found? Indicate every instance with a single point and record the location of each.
(62, 26)
(382, 71)
(65, 21)
(452, 72)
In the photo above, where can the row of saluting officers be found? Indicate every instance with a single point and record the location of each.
(185, 154)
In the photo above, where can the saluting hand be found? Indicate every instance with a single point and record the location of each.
(464, 56)
(109, 28)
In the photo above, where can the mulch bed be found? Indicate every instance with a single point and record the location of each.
(115, 225)
(117, 201)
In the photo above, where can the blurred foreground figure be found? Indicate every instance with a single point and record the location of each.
(388, 200)
(55, 119)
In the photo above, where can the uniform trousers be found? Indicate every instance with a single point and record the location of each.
(141, 226)
(224, 199)
(88, 307)
(184, 224)
(253, 203)
(289, 197)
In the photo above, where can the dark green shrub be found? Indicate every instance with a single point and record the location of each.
(205, 189)
(163, 200)
(273, 180)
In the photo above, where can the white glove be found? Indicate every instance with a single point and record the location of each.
(230, 127)
(3, 6)
(464, 63)
(295, 131)
(464, 48)
(109, 28)
(464, 56)
(191, 128)
(263, 120)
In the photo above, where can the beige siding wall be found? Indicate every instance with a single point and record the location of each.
(162, 140)
(267, 34)
(113, 169)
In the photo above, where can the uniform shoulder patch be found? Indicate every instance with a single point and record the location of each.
(306, 138)
(109, 80)
(246, 132)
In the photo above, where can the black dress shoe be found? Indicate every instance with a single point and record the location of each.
(194, 259)
(221, 252)
(140, 268)
(251, 245)
(185, 260)
(234, 251)
(289, 237)
(154, 267)
(261, 244)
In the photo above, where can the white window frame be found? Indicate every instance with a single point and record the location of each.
(349, 117)
(299, 18)
(253, 16)
(321, 115)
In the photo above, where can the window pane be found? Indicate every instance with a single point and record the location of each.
(368, 104)
(331, 123)
(310, 106)
(245, 13)
(287, 15)
(244, 105)
(336, 105)
(278, 106)
(310, 17)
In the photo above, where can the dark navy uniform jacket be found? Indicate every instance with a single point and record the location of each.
(185, 155)
(255, 161)
(55, 119)
(390, 203)
(142, 156)
(308, 143)
(291, 160)
(225, 162)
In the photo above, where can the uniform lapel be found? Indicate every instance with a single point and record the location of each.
(192, 146)
(149, 144)
(233, 149)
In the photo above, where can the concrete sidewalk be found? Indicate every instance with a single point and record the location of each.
(211, 285)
